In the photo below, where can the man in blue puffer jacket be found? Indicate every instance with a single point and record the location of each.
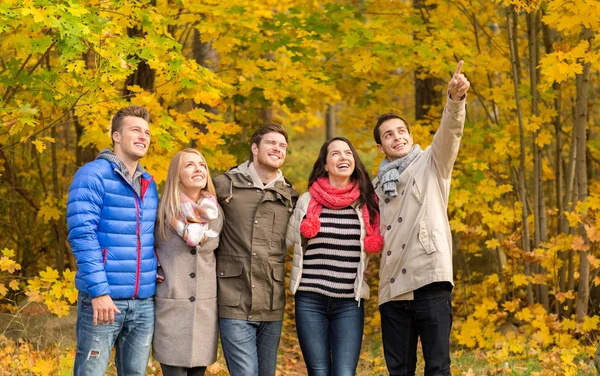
(111, 211)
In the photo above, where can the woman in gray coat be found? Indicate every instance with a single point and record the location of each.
(188, 224)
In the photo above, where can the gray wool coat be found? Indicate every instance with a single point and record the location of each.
(186, 318)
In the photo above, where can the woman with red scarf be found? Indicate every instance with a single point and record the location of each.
(334, 227)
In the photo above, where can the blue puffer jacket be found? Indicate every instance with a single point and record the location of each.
(111, 231)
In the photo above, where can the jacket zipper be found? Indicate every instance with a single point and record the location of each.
(139, 246)
(137, 233)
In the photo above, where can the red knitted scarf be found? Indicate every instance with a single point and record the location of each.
(324, 194)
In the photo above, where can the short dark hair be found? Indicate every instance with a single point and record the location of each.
(135, 111)
(262, 131)
(382, 119)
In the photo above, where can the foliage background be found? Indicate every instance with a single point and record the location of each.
(525, 194)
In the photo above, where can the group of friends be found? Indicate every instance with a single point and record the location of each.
(207, 259)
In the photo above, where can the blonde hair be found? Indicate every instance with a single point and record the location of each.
(170, 201)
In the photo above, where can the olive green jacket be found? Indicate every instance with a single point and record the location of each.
(252, 249)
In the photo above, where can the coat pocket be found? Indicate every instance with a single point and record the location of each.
(229, 283)
(425, 239)
(278, 297)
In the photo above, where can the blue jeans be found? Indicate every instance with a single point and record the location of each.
(330, 332)
(250, 347)
(130, 334)
(428, 316)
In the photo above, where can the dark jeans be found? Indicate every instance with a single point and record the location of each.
(428, 316)
(330, 333)
(250, 347)
(180, 371)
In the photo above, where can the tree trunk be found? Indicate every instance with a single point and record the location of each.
(330, 122)
(143, 76)
(521, 172)
(581, 103)
(425, 93)
(58, 226)
(201, 51)
(541, 231)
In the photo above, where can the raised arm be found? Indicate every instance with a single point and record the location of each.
(446, 141)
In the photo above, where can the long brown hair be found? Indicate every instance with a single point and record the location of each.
(170, 201)
(359, 176)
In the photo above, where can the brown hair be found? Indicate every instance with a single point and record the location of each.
(135, 111)
(262, 131)
(382, 119)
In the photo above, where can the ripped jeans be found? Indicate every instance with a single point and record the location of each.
(130, 334)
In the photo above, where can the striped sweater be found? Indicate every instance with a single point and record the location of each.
(332, 257)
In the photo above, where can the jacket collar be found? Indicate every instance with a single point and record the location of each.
(241, 178)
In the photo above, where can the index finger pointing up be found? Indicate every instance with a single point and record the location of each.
(459, 67)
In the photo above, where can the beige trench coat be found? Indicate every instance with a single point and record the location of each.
(185, 304)
(414, 224)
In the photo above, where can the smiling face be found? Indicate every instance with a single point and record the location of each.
(193, 175)
(340, 161)
(271, 151)
(396, 142)
(132, 142)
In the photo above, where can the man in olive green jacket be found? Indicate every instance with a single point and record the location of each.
(415, 276)
(257, 202)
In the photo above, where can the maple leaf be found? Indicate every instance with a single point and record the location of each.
(49, 275)
(520, 280)
(573, 218)
(578, 244)
(492, 243)
(590, 323)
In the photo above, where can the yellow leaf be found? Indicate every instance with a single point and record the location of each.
(39, 145)
(568, 324)
(592, 233)
(511, 306)
(594, 262)
(8, 252)
(50, 275)
(3, 290)
(49, 212)
(14, 285)
(520, 280)
(492, 243)
(543, 138)
(364, 63)
(562, 296)
(524, 315)
(590, 323)
(8, 265)
(77, 10)
(574, 218)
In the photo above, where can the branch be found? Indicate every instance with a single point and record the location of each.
(54, 123)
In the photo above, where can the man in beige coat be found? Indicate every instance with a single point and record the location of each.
(415, 285)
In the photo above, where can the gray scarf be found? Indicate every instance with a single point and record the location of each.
(389, 172)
